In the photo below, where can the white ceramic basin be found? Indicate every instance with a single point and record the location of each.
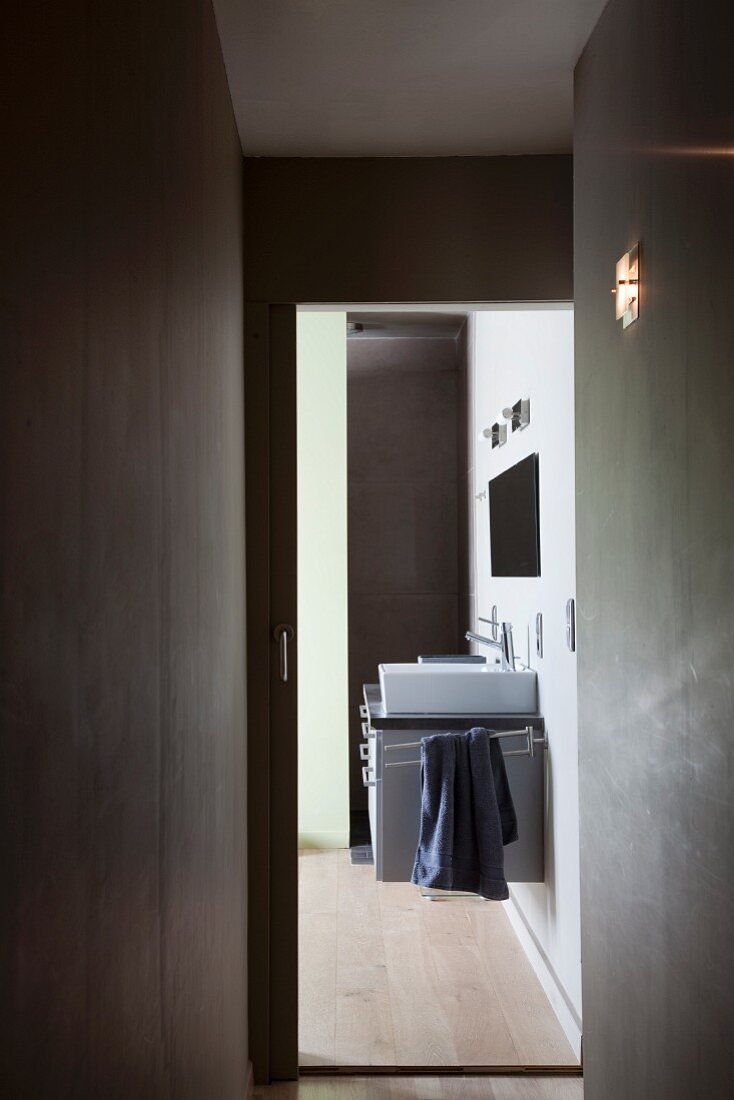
(456, 689)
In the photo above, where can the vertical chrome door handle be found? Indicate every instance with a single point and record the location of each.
(571, 624)
(283, 634)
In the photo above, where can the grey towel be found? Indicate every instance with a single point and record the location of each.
(467, 815)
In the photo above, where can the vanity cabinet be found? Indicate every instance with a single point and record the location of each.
(395, 792)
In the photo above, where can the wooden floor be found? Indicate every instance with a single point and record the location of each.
(389, 979)
(427, 1088)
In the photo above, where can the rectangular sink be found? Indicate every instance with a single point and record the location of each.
(457, 689)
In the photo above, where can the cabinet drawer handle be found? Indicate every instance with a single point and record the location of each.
(364, 751)
(365, 781)
(367, 731)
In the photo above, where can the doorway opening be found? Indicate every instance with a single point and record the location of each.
(406, 418)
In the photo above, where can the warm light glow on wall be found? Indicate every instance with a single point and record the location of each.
(627, 288)
(693, 150)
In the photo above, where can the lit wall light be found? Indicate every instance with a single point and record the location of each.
(627, 291)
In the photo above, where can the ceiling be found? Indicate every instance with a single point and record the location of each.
(403, 78)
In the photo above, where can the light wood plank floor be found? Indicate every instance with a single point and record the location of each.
(427, 1088)
(387, 978)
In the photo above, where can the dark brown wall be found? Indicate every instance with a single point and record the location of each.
(403, 406)
(448, 229)
(465, 473)
(123, 894)
(655, 468)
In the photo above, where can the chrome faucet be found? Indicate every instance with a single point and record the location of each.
(503, 644)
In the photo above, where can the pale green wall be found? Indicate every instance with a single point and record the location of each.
(323, 742)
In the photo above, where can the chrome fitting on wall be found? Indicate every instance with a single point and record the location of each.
(518, 414)
(497, 433)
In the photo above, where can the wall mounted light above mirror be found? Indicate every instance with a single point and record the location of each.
(497, 433)
(518, 414)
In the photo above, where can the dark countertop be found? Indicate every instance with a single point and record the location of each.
(381, 720)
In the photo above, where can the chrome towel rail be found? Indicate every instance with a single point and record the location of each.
(529, 750)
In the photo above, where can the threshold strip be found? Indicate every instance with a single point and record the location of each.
(441, 1071)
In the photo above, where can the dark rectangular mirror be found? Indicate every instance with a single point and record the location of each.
(514, 526)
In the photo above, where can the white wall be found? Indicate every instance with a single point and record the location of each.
(530, 354)
(323, 741)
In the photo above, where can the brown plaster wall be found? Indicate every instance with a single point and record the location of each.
(443, 229)
(403, 410)
(121, 467)
(655, 466)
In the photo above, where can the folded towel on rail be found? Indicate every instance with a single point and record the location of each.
(467, 815)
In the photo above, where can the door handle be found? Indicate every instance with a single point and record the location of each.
(571, 624)
(283, 634)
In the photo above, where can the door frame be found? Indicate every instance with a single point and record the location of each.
(272, 706)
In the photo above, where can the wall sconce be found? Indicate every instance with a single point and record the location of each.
(497, 433)
(627, 290)
(519, 414)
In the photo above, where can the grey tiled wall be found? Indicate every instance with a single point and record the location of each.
(406, 520)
